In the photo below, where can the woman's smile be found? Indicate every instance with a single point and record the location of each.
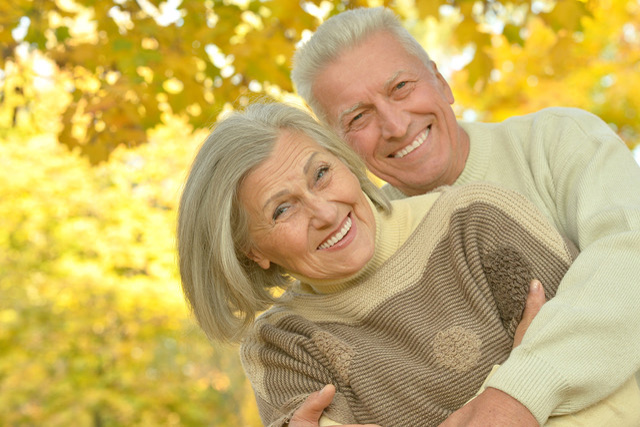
(342, 238)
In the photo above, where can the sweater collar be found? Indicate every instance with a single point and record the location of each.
(477, 163)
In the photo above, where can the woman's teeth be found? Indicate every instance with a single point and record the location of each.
(415, 144)
(338, 236)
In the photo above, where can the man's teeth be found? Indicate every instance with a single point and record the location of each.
(338, 236)
(415, 144)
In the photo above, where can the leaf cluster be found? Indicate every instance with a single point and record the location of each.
(93, 329)
(127, 63)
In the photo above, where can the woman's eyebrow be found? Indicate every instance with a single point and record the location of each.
(305, 170)
(307, 165)
(272, 198)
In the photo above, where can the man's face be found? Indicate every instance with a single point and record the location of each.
(395, 111)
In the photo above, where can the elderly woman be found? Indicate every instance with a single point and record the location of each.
(403, 307)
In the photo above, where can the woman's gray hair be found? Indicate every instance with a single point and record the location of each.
(223, 287)
(338, 34)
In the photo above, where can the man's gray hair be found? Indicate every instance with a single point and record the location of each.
(338, 34)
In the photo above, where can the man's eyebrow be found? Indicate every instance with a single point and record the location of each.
(348, 111)
(305, 169)
(386, 85)
(390, 81)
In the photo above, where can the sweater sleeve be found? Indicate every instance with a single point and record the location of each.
(286, 358)
(584, 343)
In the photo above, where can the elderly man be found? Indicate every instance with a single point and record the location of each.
(365, 76)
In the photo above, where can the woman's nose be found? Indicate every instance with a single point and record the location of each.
(323, 212)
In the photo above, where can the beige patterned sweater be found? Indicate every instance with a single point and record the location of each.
(412, 337)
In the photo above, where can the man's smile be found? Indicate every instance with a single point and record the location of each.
(415, 144)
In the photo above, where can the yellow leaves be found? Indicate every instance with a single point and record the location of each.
(467, 30)
(85, 80)
(428, 8)
(92, 321)
(173, 86)
(219, 381)
(596, 69)
(9, 319)
(540, 35)
(478, 69)
(566, 15)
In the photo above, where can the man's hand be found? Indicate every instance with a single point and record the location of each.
(493, 407)
(535, 301)
(309, 413)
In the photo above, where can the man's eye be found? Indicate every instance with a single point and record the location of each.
(356, 117)
(401, 85)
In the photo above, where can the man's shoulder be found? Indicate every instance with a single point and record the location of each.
(564, 113)
(551, 124)
(542, 115)
(555, 116)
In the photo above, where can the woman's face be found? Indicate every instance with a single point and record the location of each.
(307, 212)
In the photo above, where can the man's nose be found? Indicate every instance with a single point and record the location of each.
(393, 121)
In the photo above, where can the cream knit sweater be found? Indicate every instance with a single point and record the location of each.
(575, 169)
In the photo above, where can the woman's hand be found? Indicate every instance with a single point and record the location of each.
(309, 414)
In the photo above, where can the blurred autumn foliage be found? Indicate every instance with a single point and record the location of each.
(93, 330)
(103, 105)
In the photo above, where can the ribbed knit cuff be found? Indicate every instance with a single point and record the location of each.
(532, 382)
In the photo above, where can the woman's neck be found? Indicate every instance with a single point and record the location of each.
(392, 230)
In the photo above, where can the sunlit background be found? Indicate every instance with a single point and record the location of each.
(102, 107)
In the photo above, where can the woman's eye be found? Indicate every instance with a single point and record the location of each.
(279, 211)
(321, 172)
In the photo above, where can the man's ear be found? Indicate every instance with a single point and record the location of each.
(256, 256)
(444, 85)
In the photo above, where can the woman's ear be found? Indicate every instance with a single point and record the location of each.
(258, 258)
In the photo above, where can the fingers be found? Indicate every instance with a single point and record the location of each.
(535, 301)
(311, 410)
